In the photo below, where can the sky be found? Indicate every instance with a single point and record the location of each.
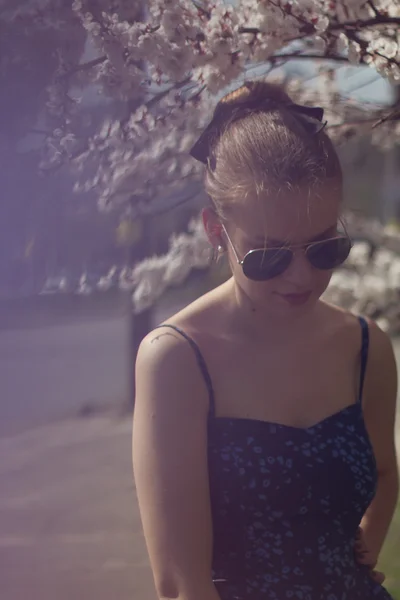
(360, 83)
(372, 87)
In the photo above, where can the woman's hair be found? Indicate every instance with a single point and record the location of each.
(260, 143)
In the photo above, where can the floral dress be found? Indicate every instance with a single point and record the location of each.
(286, 503)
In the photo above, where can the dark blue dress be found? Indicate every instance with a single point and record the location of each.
(286, 503)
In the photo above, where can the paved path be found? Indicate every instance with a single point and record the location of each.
(69, 523)
(50, 373)
(54, 368)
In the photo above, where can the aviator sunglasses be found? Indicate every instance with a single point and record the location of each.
(262, 264)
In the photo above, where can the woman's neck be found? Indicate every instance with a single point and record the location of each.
(258, 321)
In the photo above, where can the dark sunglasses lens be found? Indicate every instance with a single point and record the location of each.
(261, 265)
(329, 254)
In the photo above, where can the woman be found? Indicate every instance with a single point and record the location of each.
(263, 438)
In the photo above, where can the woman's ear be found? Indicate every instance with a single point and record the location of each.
(212, 226)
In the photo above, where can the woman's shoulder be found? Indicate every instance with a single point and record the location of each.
(172, 356)
(352, 326)
(168, 378)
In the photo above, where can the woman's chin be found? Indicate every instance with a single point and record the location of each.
(284, 305)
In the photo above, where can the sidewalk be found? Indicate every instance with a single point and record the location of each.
(69, 522)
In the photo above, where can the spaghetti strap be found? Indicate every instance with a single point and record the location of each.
(201, 363)
(364, 355)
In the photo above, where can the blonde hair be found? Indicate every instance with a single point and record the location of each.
(262, 145)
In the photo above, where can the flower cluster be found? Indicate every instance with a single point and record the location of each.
(121, 156)
(205, 47)
(154, 275)
(369, 285)
(213, 41)
(160, 65)
(369, 282)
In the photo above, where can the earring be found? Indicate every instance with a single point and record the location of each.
(217, 253)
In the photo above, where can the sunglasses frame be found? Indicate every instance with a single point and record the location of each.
(305, 246)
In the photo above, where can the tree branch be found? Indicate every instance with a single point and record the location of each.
(94, 63)
(252, 30)
(85, 66)
(358, 24)
(161, 95)
(394, 115)
(157, 98)
(307, 56)
(91, 63)
(373, 7)
(391, 61)
(178, 203)
(201, 9)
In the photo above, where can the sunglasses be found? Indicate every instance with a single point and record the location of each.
(262, 264)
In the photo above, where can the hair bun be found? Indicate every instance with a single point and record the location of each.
(256, 93)
(251, 98)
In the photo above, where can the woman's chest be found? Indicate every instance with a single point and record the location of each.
(297, 385)
(326, 469)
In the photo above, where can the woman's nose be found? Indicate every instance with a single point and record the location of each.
(299, 272)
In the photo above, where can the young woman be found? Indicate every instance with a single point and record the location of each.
(263, 440)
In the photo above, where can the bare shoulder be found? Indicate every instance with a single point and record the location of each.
(162, 347)
(345, 327)
(168, 376)
(381, 346)
(343, 324)
(381, 369)
(380, 383)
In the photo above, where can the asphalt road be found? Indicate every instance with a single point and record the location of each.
(57, 371)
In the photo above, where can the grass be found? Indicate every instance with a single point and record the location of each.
(390, 558)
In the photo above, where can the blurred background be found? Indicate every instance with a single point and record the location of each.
(100, 241)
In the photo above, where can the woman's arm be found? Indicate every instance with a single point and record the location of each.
(379, 412)
(170, 467)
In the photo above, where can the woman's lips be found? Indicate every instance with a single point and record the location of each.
(296, 299)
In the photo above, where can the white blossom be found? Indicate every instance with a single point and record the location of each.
(196, 51)
(363, 285)
(176, 39)
(320, 44)
(342, 43)
(187, 252)
(322, 24)
(388, 47)
(149, 280)
(354, 53)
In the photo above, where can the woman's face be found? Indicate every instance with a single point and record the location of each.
(288, 219)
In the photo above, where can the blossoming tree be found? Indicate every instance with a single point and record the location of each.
(165, 62)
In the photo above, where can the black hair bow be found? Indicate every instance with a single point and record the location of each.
(310, 117)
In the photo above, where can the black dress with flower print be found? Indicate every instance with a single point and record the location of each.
(286, 504)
